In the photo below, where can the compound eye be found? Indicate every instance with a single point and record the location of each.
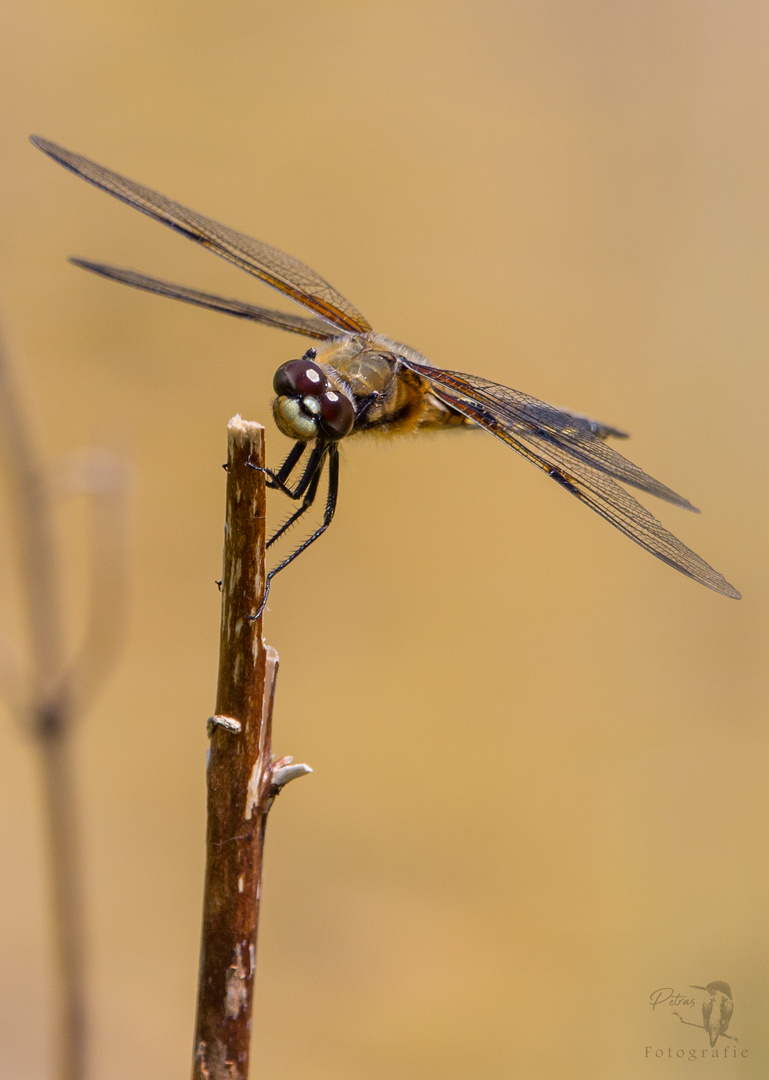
(337, 414)
(299, 378)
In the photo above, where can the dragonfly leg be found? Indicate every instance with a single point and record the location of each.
(308, 500)
(278, 480)
(328, 515)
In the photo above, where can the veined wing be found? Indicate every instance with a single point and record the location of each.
(282, 272)
(567, 449)
(570, 439)
(281, 320)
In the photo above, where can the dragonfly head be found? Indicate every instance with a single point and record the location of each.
(308, 406)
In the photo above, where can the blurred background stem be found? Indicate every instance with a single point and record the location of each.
(46, 694)
(61, 824)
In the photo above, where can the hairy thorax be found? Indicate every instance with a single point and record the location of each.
(389, 397)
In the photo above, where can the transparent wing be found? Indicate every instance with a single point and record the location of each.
(569, 439)
(281, 320)
(282, 272)
(568, 449)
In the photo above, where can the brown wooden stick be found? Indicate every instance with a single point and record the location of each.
(243, 778)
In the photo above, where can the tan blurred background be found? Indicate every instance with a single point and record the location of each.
(540, 787)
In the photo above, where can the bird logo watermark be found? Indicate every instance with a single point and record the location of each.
(714, 1002)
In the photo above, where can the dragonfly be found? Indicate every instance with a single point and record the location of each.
(354, 381)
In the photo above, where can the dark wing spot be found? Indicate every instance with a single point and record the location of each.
(561, 478)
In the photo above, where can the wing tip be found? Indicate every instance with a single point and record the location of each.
(713, 580)
(45, 145)
(61, 155)
(101, 269)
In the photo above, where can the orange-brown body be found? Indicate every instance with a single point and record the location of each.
(367, 368)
